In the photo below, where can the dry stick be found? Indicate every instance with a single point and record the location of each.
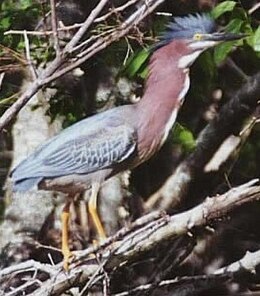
(28, 56)
(229, 121)
(74, 26)
(58, 61)
(13, 53)
(254, 8)
(140, 224)
(54, 27)
(200, 215)
(94, 13)
(248, 263)
(27, 265)
(64, 281)
(103, 43)
(23, 287)
(42, 33)
(2, 75)
(178, 283)
(115, 10)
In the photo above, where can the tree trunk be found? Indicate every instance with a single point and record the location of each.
(26, 213)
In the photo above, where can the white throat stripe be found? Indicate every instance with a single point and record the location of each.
(186, 61)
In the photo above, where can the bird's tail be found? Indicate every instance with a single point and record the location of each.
(25, 184)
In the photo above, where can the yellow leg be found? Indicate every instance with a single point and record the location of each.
(65, 216)
(92, 207)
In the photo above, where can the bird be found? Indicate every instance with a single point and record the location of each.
(87, 153)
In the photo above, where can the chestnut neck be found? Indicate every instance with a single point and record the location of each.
(164, 85)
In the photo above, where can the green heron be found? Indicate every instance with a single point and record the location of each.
(96, 148)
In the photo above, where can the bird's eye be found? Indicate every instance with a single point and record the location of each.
(197, 37)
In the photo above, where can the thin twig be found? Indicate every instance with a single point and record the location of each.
(54, 27)
(92, 279)
(174, 282)
(249, 263)
(24, 266)
(254, 8)
(140, 223)
(42, 33)
(28, 56)
(2, 75)
(13, 53)
(94, 13)
(115, 10)
(102, 43)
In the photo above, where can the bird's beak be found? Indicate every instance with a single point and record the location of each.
(224, 36)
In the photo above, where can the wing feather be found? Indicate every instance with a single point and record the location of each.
(99, 151)
(84, 154)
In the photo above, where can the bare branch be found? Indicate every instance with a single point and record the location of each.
(54, 27)
(115, 10)
(28, 55)
(248, 263)
(94, 13)
(196, 280)
(28, 265)
(102, 43)
(201, 215)
(254, 8)
(2, 75)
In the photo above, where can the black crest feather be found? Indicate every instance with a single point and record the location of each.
(185, 28)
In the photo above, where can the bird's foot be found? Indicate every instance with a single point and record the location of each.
(67, 257)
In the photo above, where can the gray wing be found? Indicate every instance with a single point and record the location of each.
(98, 151)
(82, 153)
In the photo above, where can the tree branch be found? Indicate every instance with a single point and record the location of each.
(248, 263)
(131, 244)
(54, 27)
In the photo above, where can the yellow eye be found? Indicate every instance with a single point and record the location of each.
(197, 37)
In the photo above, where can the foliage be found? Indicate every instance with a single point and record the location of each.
(17, 15)
(239, 22)
(136, 65)
(183, 137)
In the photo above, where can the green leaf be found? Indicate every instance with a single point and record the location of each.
(143, 74)
(135, 63)
(221, 51)
(184, 137)
(5, 23)
(256, 40)
(25, 4)
(223, 8)
(234, 25)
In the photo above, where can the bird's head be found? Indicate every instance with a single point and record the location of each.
(196, 33)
